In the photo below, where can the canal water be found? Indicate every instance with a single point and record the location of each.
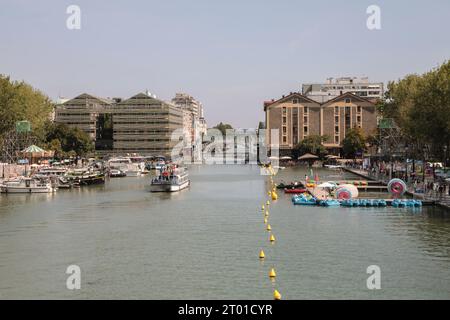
(203, 243)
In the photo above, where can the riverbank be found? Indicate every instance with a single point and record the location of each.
(444, 202)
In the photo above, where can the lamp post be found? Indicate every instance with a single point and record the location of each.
(424, 149)
(406, 164)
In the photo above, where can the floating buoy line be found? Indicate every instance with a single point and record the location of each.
(272, 193)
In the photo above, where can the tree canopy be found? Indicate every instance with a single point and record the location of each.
(353, 143)
(64, 140)
(223, 127)
(420, 105)
(19, 101)
(311, 144)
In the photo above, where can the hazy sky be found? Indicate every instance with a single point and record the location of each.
(231, 55)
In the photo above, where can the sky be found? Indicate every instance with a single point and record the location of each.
(230, 55)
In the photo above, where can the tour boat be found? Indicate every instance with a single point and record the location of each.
(27, 185)
(170, 179)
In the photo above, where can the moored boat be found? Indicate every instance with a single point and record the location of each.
(27, 185)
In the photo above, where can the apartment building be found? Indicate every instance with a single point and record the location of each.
(334, 87)
(296, 116)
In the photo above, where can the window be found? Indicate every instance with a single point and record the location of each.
(305, 119)
(358, 109)
(358, 119)
(284, 139)
(284, 120)
(305, 109)
(348, 100)
(347, 119)
(336, 139)
(336, 119)
(336, 110)
(336, 129)
(284, 130)
(305, 130)
(294, 101)
(284, 110)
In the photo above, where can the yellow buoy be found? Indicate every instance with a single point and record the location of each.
(272, 238)
(276, 295)
(267, 213)
(274, 196)
(265, 220)
(272, 273)
(262, 255)
(269, 227)
(268, 202)
(262, 207)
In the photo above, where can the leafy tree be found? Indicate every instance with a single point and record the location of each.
(261, 125)
(311, 144)
(70, 139)
(420, 105)
(353, 143)
(223, 127)
(19, 101)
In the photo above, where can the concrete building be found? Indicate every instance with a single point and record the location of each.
(297, 116)
(141, 124)
(194, 123)
(332, 88)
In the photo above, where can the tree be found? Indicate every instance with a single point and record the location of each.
(19, 101)
(420, 105)
(261, 125)
(353, 143)
(223, 127)
(70, 139)
(311, 144)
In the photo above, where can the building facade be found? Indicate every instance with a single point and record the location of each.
(296, 116)
(141, 124)
(334, 87)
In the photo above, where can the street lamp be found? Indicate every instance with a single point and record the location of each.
(406, 164)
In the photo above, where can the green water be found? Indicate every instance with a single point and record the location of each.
(203, 243)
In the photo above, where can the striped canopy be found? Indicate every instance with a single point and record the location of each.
(32, 149)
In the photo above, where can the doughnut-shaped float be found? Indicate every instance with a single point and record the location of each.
(396, 187)
(346, 191)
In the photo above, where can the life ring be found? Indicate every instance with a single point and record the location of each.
(396, 187)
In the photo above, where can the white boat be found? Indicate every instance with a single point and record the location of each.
(331, 166)
(27, 185)
(171, 179)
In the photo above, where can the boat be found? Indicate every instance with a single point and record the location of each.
(170, 179)
(304, 199)
(86, 176)
(294, 190)
(289, 186)
(27, 185)
(51, 172)
(114, 173)
(329, 203)
(331, 166)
